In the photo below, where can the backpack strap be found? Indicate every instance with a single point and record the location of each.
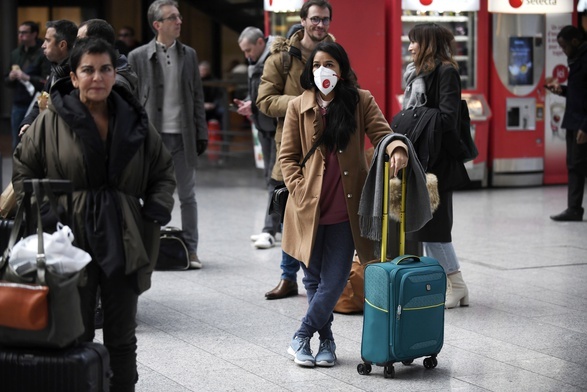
(286, 58)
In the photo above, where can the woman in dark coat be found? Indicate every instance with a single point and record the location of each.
(100, 139)
(433, 80)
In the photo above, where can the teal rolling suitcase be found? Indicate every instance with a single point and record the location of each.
(404, 305)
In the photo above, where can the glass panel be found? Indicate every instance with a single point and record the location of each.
(464, 27)
(282, 21)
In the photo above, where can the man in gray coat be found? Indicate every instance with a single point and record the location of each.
(170, 88)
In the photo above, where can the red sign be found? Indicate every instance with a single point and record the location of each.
(561, 73)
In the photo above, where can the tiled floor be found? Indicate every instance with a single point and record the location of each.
(526, 328)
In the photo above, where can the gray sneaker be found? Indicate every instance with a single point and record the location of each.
(301, 351)
(326, 356)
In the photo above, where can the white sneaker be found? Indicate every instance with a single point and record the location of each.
(265, 241)
(195, 263)
(255, 237)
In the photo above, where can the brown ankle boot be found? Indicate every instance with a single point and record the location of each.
(285, 288)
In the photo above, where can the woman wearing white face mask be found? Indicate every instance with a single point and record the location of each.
(327, 125)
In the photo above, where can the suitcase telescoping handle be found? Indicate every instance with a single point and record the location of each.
(385, 215)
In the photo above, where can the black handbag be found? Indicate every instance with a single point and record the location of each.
(281, 193)
(173, 252)
(469, 149)
(278, 201)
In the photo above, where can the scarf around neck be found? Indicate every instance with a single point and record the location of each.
(415, 92)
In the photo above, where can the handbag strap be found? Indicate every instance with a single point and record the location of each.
(41, 259)
(18, 220)
(309, 154)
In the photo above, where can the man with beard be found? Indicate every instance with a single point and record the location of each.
(59, 39)
(280, 84)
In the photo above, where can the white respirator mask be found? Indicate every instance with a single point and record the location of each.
(325, 80)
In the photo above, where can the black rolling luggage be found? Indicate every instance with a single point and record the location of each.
(82, 368)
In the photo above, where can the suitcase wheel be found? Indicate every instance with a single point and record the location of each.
(389, 371)
(364, 369)
(430, 362)
(407, 363)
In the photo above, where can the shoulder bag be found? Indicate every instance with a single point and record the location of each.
(39, 307)
(281, 193)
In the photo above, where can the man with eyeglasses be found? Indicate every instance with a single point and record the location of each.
(28, 73)
(170, 88)
(280, 84)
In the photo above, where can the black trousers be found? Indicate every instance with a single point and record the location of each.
(119, 304)
(577, 169)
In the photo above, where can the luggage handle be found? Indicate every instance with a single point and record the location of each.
(385, 212)
(407, 257)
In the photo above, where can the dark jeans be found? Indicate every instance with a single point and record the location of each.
(267, 140)
(119, 304)
(577, 169)
(326, 277)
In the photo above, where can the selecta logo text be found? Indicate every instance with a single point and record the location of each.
(519, 3)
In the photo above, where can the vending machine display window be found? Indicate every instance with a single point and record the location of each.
(462, 25)
(521, 60)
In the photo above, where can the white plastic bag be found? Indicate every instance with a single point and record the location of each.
(60, 254)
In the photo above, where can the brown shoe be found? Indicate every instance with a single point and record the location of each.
(285, 288)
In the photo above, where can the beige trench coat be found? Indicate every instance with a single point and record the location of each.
(302, 127)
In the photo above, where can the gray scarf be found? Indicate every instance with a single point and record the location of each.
(418, 211)
(415, 93)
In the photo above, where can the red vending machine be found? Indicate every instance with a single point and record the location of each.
(468, 20)
(526, 147)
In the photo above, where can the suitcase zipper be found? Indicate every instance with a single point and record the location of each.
(399, 308)
(376, 307)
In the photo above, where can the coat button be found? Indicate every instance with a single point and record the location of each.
(349, 195)
(346, 172)
(340, 151)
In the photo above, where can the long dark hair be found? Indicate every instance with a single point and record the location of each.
(340, 117)
(436, 43)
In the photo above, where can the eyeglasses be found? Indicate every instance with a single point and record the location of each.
(316, 20)
(172, 18)
(23, 32)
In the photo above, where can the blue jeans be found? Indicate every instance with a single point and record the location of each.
(16, 116)
(326, 277)
(186, 190)
(444, 252)
(289, 267)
